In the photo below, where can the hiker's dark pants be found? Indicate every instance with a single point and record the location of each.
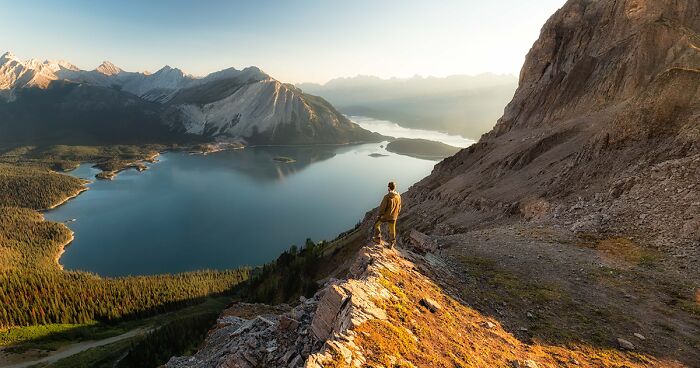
(392, 230)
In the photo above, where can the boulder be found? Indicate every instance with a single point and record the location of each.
(422, 241)
(328, 309)
(624, 344)
(431, 304)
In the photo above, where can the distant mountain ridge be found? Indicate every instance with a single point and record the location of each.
(243, 104)
(458, 104)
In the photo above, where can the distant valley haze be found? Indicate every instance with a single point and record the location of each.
(315, 183)
(397, 61)
(460, 104)
(296, 42)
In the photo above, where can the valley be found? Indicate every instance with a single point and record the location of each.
(166, 220)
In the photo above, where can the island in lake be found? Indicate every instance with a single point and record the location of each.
(421, 148)
(284, 159)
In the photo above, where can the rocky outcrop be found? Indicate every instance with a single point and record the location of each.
(265, 340)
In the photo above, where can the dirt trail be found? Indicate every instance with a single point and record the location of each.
(19, 360)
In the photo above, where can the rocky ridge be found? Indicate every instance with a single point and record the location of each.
(388, 311)
(235, 105)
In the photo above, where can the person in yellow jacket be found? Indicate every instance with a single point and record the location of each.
(388, 213)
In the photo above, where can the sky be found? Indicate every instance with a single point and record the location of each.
(294, 41)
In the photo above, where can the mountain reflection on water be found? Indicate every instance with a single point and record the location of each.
(226, 209)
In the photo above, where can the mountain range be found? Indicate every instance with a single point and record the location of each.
(568, 236)
(57, 102)
(458, 104)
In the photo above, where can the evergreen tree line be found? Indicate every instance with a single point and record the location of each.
(291, 275)
(175, 338)
(34, 187)
(33, 298)
(28, 242)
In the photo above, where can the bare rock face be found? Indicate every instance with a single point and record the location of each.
(422, 242)
(351, 302)
(595, 54)
(609, 91)
(308, 333)
(334, 299)
(267, 340)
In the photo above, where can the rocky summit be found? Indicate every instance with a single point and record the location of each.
(568, 236)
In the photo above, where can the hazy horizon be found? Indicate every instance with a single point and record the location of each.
(300, 42)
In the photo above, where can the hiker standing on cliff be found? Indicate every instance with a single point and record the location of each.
(388, 213)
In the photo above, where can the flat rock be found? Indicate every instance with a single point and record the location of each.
(431, 304)
(624, 344)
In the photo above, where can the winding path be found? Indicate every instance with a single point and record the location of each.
(69, 350)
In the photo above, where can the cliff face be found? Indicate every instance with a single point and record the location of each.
(262, 111)
(594, 55)
(610, 88)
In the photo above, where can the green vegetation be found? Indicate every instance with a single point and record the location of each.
(33, 288)
(291, 275)
(27, 242)
(621, 249)
(35, 187)
(100, 357)
(184, 329)
(63, 158)
(76, 297)
(514, 287)
(39, 336)
(296, 271)
(180, 336)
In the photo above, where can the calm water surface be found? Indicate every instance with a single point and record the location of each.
(224, 210)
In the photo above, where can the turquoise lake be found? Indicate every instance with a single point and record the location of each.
(226, 209)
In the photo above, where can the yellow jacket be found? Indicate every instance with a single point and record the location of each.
(390, 207)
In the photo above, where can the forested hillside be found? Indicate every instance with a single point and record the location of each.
(35, 290)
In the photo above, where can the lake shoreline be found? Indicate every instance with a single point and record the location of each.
(139, 165)
(67, 198)
(71, 237)
(62, 247)
(239, 177)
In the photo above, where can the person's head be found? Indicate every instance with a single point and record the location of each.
(392, 185)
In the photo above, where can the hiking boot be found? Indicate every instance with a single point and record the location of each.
(377, 241)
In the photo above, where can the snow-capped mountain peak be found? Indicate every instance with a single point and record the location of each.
(7, 56)
(246, 104)
(107, 68)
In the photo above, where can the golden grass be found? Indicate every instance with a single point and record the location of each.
(627, 250)
(457, 336)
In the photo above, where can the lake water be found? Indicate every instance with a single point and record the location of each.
(391, 129)
(227, 209)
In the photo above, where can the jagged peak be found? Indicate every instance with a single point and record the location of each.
(169, 69)
(8, 56)
(107, 68)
